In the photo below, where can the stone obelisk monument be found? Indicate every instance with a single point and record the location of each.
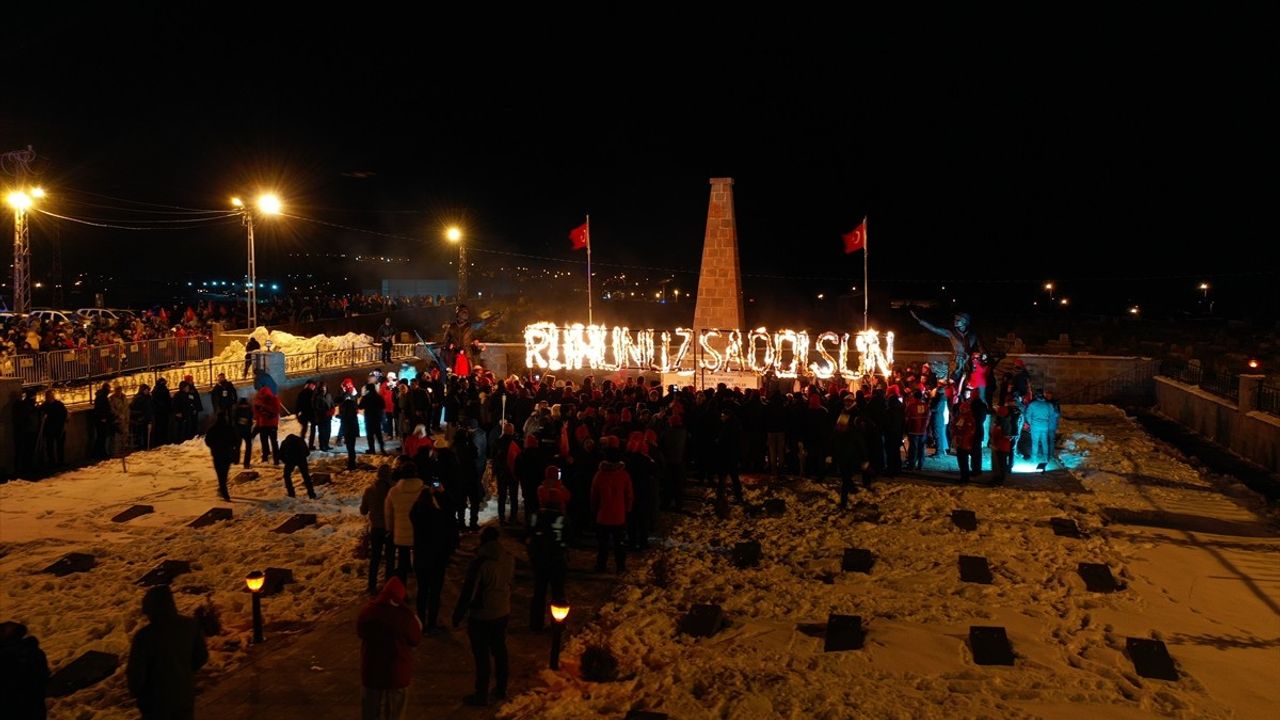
(719, 305)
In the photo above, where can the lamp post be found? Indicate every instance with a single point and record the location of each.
(454, 235)
(21, 201)
(268, 204)
(559, 613)
(1049, 287)
(254, 581)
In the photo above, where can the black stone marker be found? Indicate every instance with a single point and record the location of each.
(296, 523)
(133, 512)
(746, 554)
(857, 560)
(775, 507)
(973, 569)
(1064, 527)
(1098, 578)
(990, 645)
(645, 715)
(321, 478)
(165, 572)
(245, 476)
(275, 580)
(702, 621)
(72, 563)
(844, 632)
(1151, 658)
(89, 669)
(964, 519)
(212, 516)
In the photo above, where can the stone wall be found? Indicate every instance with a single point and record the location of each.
(1246, 432)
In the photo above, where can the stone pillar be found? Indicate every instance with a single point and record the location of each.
(720, 279)
(1249, 392)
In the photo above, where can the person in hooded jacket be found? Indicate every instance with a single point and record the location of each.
(242, 419)
(224, 446)
(435, 537)
(293, 451)
(120, 420)
(321, 417)
(388, 633)
(612, 497)
(643, 471)
(464, 449)
(161, 412)
(485, 602)
(529, 467)
(372, 404)
(140, 417)
(505, 454)
(187, 407)
(223, 396)
(266, 421)
(349, 427)
(24, 673)
(164, 658)
(396, 509)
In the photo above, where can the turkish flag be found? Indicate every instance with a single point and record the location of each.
(856, 239)
(581, 236)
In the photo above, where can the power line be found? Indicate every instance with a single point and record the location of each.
(122, 227)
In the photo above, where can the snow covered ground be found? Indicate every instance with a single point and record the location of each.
(1202, 574)
(100, 609)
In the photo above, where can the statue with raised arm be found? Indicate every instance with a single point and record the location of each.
(964, 344)
(460, 347)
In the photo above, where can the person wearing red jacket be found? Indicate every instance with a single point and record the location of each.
(552, 493)
(1001, 447)
(917, 417)
(963, 435)
(611, 499)
(266, 421)
(388, 630)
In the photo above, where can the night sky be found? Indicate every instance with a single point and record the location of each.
(1076, 149)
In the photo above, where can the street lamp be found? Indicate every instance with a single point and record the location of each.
(1204, 287)
(254, 581)
(21, 201)
(454, 235)
(268, 204)
(1048, 286)
(559, 613)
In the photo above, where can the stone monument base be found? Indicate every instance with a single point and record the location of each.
(701, 380)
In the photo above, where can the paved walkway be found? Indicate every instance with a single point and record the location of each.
(316, 675)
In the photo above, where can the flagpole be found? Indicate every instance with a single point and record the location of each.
(866, 285)
(590, 319)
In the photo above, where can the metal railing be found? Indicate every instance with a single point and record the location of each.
(306, 363)
(103, 361)
(1268, 399)
(1135, 386)
(1222, 384)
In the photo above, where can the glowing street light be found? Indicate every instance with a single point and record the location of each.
(254, 582)
(559, 613)
(1254, 364)
(268, 204)
(1204, 287)
(454, 235)
(1134, 310)
(22, 200)
(1063, 301)
(1049, 287)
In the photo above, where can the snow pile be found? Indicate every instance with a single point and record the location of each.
(100, 609)
(294, 344)
(1069, 643)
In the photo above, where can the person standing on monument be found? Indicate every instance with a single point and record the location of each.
(964, 341)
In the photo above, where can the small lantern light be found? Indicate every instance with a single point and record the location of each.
(559, 612)
(254, 582)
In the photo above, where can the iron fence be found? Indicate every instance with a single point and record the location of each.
(1268, 399)
(102, 361)
(318, 360)
(1222, 384)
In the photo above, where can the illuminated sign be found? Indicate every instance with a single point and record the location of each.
(785, 353)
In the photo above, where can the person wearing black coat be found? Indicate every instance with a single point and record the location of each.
(728, 450)
(349, 428)
(26, 428)
(249, 349)
(372, 404)
(549, 557)
(224, 446)
(223, 395)
(321, 417)
(103, 423)
(140, 418)
(895, 424)
(54, 414)
(469, 490)
(186, 410)
(293, 451)
(435, 537)
(242, 419)
(848, 449)
(164, 658)
(24, 672)
(161, 412)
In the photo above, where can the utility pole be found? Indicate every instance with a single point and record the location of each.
(18, 164)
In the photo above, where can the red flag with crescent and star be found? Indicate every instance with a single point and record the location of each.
(581, 236)
(856, 239)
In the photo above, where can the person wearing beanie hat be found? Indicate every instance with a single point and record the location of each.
(388, 632)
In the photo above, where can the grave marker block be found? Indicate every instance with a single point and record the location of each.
(1098, 578)
(321, 478)
(1151, 659)
(165, 572)
(245, 476)
(133, 512)
(964, 519)
(746, 554)
(72, 563)
(1064, 527)
(857, 560)
(702, 621)
(645, 715)
(89, 669)
(296, 523)
(844, 632)
(276, 579)
(990, 645)
(775, 507)
(212, 516)
(973, 569)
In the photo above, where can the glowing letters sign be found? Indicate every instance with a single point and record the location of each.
(786, 353)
